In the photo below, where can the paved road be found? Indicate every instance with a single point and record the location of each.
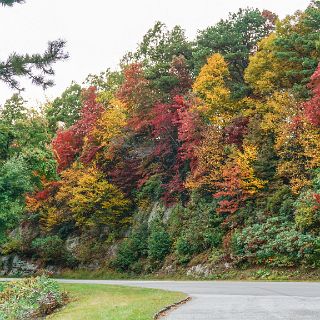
(216, 300)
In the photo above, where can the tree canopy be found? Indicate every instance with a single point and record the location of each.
(208, 147)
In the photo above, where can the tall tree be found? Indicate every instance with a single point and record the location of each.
(156, 52)
(64, 110)
(235, 38)
(210, 86)
(296, 44)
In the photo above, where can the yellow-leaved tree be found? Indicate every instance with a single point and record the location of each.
(91, 199)
(210, 158)
(238, 181)
(110, 125)
(265, 72)
(210, 86)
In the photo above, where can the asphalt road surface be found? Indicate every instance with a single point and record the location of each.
(218, 300)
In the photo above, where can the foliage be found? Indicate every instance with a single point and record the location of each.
(50, 249)
(30, 298)
(235, 39)
(10, 2)
(265, 72)
(107, 84)
(135, 90)
(68, 143)
(25, 161)
(238, 181)
(311, 107)
(13, 110)
(210, 158)
(172, 147)
(195, 228)
(35, 67)
(152, 190)
(281, 202)
(159, 242)
(221, 135)
(288, 57)
(92, 201)
(132, 249)
(276, 243)
(14, 183)
(296, 45)
(158, 52)
(211, 87)
(306, 206)
(64, 111)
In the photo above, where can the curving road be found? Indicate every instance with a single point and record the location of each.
(218, 300)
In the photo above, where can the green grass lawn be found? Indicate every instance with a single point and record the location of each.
(113, 302)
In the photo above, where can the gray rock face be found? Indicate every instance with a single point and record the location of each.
(14, 265)
(199, 270)
(92, 266)
(158, 210)
(170, 269)
(72, 243)
(5, 265)
(113, 250)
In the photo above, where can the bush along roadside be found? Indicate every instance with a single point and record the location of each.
(31, 298)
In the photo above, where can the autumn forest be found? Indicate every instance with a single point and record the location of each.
(193, 151)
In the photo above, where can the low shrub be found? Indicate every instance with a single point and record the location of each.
(281, 202)
(30, 298)
(306, 207)
(195, 228)
(52, 249)
(126, 256)
(152, 189)
(11, 246)
(159, 242)
(132, 249)
(186, 248)
(276, 243)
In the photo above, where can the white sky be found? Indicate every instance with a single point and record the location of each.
(100, 32)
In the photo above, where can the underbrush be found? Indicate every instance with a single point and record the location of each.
(31, 298)
(248, 273)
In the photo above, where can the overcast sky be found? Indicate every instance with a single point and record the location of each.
(100, 32)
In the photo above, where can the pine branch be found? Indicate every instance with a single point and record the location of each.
(35, 67)
(10, 2)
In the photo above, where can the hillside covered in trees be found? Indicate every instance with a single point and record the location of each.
(206, 149)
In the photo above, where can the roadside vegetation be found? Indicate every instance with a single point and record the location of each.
(200, 154)
(40, 297)
(32, 298)
(246, 273)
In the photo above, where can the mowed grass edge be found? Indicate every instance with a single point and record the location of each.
(95, 302)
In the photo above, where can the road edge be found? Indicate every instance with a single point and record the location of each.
(163, 311)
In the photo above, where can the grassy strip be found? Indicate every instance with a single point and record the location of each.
(101, 274)
(114, 302)
(266, 274)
